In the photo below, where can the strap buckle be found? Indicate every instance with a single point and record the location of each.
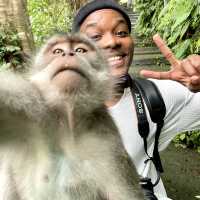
(158, 173)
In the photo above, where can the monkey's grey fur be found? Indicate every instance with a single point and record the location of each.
(61, 144)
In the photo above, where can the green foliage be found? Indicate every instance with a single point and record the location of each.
(178, 23)
(149, 11)
(48, 17)
(189, 139)
(11, 55)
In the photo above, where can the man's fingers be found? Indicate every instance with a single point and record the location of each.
(156, 75)
(195, 61)
(189, 68)
(195, 80)
(194, 84)
(166, 51)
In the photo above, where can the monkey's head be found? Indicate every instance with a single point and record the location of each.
(72, 68)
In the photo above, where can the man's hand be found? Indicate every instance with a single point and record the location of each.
(185, 71)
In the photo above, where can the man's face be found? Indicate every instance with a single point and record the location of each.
(109, 30)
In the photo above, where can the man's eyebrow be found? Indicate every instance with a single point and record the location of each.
(94, 24)
(91, 24)
(121, 21)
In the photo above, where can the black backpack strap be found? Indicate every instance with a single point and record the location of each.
(153, 99)
(157, 111)
(147, 90)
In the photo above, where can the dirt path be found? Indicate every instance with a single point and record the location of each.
(182, 173)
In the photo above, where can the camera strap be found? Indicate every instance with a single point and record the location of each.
(157, 110)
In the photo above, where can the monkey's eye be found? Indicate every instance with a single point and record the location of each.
(58, 51)
(80, 50)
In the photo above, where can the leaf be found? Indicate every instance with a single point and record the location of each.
(173, 37)
(184, 29)
(11, 48)
(182, 12)
(181, 48)
(182, 136)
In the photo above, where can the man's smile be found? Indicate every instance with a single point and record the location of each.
(116, 61)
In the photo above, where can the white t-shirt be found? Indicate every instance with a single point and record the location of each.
(182, 113)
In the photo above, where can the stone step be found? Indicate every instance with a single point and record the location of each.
(133, 16)
(147, 60)
(134, 20)
(146, 50)
(133, 23)
(150, 62)
(131, 13)
(147, 56)
(139, 40)
(142, 42)
(135, 69)
(146, 53)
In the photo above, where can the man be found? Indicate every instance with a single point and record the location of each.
(108, 25)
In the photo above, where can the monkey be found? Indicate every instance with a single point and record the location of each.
(57, 139)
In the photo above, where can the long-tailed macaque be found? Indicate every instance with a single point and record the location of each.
(57, 141)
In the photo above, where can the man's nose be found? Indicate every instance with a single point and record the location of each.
(111, 41)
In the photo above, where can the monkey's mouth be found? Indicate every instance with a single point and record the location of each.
(76, 70)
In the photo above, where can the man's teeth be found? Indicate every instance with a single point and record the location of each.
(114, 58)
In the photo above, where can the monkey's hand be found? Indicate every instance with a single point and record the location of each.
(19, 96)
(43, 78)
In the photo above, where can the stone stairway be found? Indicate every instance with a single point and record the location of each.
(146, 54)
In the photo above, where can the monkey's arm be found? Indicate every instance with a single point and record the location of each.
(19, 96)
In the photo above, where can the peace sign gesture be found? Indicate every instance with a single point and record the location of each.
(185, 71)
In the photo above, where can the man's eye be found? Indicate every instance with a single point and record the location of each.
(122, 33)
(58, 51)
(95, 37)
(80, 50)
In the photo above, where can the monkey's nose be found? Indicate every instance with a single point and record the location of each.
(71, 53)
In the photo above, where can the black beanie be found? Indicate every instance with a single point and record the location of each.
(98, 5)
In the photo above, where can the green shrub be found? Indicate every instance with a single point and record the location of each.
(190, 139)
(48, 17)
(148, 16)
(178, 23)
(11, 55)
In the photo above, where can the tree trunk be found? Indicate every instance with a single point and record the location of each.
(14, 13)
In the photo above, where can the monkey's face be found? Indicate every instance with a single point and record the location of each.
(65, 69)
(73, 65)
